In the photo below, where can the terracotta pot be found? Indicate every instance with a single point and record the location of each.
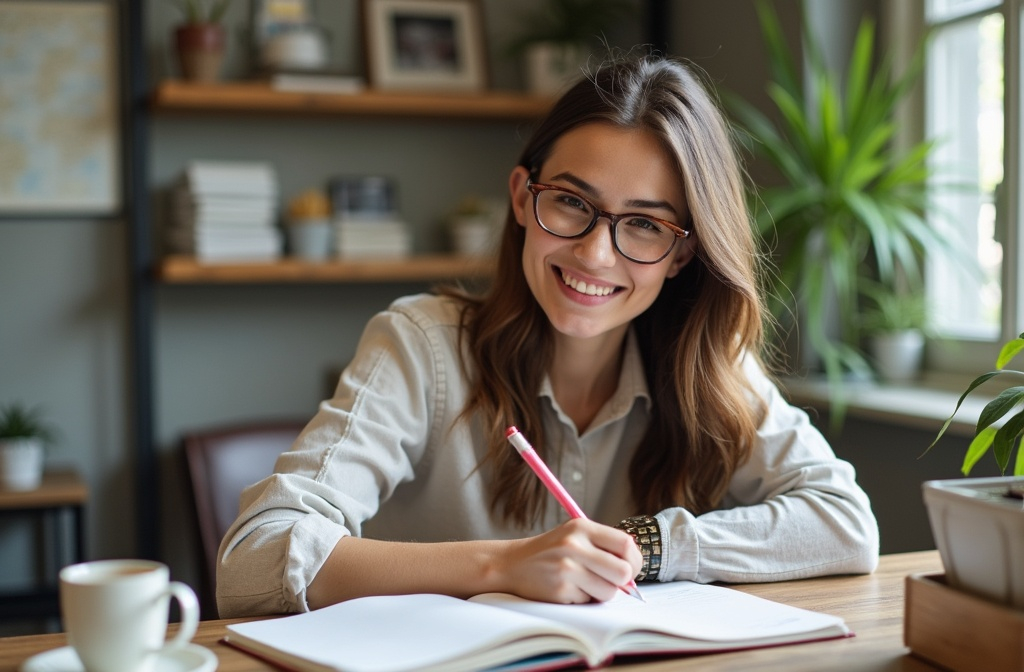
(201, 48)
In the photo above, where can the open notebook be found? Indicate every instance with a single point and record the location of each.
(436, 632)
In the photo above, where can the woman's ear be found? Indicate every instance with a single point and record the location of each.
(683, 256)
(519, 195)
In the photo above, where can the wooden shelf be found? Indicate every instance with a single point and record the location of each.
(173, 95)
(178, 269)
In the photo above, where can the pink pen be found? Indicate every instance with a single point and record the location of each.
(555, 488)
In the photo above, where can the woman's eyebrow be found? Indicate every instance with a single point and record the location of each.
(593, 192)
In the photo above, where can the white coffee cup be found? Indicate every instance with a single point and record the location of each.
(115, 613)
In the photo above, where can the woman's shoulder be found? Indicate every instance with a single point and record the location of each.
(429, 311)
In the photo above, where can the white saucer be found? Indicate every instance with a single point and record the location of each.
(190, 658)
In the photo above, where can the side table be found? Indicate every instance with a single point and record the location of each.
(57, 506)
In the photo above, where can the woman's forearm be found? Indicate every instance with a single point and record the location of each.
(577, 561)
(360, 567)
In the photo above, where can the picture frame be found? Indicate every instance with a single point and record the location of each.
(425, 45)
(60, 133)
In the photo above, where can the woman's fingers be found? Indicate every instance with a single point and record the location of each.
(576, 562)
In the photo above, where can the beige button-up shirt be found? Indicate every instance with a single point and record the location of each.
(385, 458)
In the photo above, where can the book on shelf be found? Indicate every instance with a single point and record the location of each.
(437, 632)
(377, 236)
(227, 244)
(239, 178)
(255, 213)
(316, 82)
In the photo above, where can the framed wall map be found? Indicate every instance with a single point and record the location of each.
(59, 137)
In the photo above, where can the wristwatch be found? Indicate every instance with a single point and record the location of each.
(647, 535)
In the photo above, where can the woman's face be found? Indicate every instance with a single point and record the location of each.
(585, 287)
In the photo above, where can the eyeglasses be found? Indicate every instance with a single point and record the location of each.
(641, 238)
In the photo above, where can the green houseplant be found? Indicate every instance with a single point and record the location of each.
(23, 437)
(851, 207)
(557, 39)
(1001, 422)
(977, 522)
(200, 40)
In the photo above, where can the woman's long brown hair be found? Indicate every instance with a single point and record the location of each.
(693, 337)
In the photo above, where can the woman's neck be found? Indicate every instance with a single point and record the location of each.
(585, 373)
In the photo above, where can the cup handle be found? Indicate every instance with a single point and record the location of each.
(189, 614)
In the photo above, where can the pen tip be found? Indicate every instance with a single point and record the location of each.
(510, 431)
(635, 592)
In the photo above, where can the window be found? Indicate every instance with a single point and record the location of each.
(968, 110)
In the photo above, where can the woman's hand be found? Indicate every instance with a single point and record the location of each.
(578, 561)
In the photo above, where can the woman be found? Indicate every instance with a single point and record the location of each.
(624, 346)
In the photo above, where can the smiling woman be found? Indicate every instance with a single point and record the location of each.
(622, 334)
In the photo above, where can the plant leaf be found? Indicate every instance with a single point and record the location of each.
(970, 388)
(1009, 351)
(979, 446)
(1006, 437)
(1000, 406)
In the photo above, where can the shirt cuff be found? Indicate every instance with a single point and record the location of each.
(310, 543)
(680, 547)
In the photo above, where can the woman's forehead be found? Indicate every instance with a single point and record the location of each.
(620, 163)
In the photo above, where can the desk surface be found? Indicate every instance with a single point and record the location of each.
(59, 488)
(871, 605)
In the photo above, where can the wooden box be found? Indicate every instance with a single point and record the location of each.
(960, 631)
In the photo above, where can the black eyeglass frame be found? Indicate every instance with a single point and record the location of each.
(536, 188)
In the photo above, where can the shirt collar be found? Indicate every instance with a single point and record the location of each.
(632, 384)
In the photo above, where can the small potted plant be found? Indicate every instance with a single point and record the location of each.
(557, 40)
(978, 523)
(23, 438)
(474, 226)
(201, 40)
(309, 225)
(895, 322)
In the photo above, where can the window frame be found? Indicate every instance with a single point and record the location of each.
(966, 355)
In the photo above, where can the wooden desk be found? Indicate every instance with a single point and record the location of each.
(58, 505)
(871, 605)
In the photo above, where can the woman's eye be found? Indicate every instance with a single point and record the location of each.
(574, 202)
(643, 224)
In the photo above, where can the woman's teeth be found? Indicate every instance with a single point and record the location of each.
(584, 288)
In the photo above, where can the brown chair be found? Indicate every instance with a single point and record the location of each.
(221, 462)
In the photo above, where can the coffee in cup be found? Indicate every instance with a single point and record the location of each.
(115, 613)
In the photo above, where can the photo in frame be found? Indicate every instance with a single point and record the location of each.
(425, 45)
(60, 131)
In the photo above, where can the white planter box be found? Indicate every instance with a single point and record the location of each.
(980, 535)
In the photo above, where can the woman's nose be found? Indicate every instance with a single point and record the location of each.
(596, 249)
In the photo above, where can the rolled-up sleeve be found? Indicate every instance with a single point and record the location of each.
(794, 510)
(361, 444)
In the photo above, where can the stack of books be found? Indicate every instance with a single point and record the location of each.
(226, 211)
(366, 219)
(370, 236)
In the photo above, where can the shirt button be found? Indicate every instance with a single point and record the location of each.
(577, 476)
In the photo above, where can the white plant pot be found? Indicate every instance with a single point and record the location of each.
(474, 235)
(980, 535)
(310, 239)
(551, 67)
(897, 355)
(21, 464)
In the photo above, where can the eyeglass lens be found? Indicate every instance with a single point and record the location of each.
(566, 214)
